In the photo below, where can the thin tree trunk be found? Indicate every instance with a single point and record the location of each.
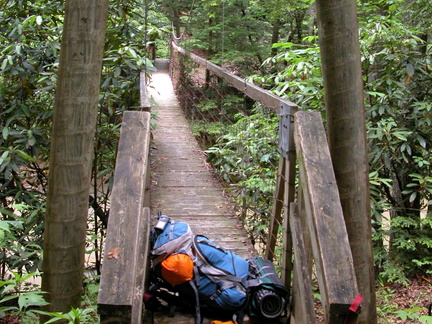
(70, 165)
(275, 35)
(340, 52)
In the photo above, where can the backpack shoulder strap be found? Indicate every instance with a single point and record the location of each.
(197, 302)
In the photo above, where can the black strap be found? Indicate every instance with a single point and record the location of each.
(197, 303)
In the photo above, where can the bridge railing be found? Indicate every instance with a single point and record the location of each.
(309, 214)
(121, 291)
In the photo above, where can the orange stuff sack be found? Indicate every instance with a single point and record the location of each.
(177, 269)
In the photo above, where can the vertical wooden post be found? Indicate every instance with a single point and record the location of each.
(287, 150)
(303, 304)
(144, 99)
(286, 176)
(276, 219)
(145, 106)
(74, 127)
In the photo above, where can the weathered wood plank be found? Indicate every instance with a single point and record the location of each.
(285, 183)
(304, 311)
(267, 98)
(183, 185)
(276, 219)
(332, 254)
(121, 286)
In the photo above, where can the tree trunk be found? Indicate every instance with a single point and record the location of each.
(74, 126)
(341, 65)
(275, 35)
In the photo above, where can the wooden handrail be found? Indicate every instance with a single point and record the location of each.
(323, 215)
(124, 267)
(267, 98)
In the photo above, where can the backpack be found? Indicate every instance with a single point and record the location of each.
(222, 276)
(190, 269)
(173, 237)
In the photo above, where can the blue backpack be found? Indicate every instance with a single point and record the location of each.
(173, 237)
(223, 281)
(222, 275)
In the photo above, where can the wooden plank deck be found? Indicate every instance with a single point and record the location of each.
(182, 183)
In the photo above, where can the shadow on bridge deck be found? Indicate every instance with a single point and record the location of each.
(183, 185)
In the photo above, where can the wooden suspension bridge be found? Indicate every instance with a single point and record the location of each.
(164, 170)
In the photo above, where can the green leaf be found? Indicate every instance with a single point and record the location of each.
(421, 141)
(39, 20)
(413, 196)
(425, 319)
(4, 64)
(7, 298)
(31, 298)
(25, 156)
(31, 141)
(4, 157)
(410, 69)
(5, 132)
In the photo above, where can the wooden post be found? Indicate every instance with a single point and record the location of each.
(288, 152)
(276, 216)
(331, 250)
(144, 98)
(285, 181)
(303, 304)
(121, 290)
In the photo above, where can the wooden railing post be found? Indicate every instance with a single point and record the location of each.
(144, 97)
(145, 106)
(285, 191)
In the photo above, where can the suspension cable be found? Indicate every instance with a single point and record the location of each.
(187, 24)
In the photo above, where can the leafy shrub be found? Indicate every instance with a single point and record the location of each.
(245, 158)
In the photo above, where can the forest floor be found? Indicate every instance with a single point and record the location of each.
(397, 303)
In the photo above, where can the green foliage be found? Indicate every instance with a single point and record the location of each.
(29, 48)
(397, 66)
(23, 300)
(20, 238)
(74, 316)
(388, 311)
(296, 74)
(245, 157)
(29, 52)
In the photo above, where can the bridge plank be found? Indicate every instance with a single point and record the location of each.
(126, 247)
